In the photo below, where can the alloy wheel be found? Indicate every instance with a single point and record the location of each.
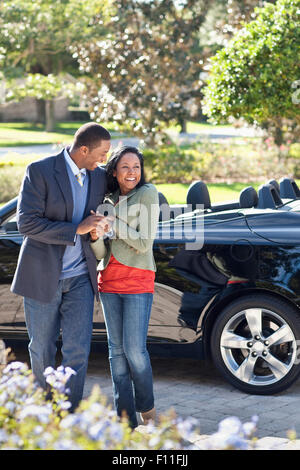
(258, 346)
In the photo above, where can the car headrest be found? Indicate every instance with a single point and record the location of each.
(275, 184)
(164, 207)
(198, 194)
(268, 197)
(289, 188)
(248, 197)
(162, 199)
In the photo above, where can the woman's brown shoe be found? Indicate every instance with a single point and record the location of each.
(148, 416)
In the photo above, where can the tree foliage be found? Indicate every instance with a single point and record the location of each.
(146, 71)
(237, 12)
(255, 75)
(35, 37)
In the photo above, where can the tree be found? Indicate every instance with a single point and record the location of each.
(255, 75)
(237, 12)
(145, 73)
(35, 40)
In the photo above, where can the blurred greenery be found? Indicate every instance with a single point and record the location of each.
(256, 75)
(26, 133)
(145, 64)
(225, 167)
(14, 134)
(227, 161)
(35, 40)
(145, 74)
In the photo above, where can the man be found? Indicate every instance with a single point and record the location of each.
(56, 272)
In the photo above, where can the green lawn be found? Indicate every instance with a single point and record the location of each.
(195, 127)
(21, 133)
(17, 134)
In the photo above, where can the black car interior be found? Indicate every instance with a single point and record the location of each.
(271, 195)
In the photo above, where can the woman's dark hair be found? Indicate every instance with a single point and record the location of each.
(111, 165)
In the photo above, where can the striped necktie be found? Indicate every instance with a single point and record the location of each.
(79, 178)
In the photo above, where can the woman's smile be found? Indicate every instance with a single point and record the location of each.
(128, 172)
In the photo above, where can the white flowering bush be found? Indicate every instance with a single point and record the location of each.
(33, 419)
(232, 434)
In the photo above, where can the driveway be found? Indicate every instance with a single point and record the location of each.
(195, 388)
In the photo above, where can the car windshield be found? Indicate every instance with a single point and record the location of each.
(9, 224)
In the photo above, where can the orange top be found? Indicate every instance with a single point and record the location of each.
(118, 278)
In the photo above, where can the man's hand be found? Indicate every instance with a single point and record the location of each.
(88, 224)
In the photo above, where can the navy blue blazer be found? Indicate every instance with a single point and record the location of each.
(44, 217)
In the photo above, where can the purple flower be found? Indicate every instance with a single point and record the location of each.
(41, 413)
(15, 366)
(116, 432)
(230, 425)
(58, 378)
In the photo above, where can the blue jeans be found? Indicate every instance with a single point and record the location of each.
(127, 318)
(71, 310)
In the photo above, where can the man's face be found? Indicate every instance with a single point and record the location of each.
(91, 158)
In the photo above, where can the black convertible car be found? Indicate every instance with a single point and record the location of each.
(227, 284)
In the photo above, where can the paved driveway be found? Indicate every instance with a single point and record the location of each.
(195, 388)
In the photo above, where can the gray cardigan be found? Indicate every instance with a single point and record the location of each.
(135, 225)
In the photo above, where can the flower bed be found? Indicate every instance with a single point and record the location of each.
(30, 420)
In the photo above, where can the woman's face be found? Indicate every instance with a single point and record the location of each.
(128, 172)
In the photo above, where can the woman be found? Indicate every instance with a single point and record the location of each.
(126, 282)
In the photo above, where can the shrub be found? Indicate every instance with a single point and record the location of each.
(168, 164)
(30, 420)
(255, 76)
(12, 169)
(10, 182)
(232, 434)
(249, 159)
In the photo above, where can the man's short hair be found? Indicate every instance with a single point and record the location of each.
(90, 135)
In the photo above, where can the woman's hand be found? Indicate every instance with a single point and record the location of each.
(103, 226)
(93, 235)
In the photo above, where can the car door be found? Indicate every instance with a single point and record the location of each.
(11, 306)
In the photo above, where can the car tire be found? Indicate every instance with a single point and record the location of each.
(254, 344)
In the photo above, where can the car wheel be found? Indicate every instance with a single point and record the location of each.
(254, 344)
